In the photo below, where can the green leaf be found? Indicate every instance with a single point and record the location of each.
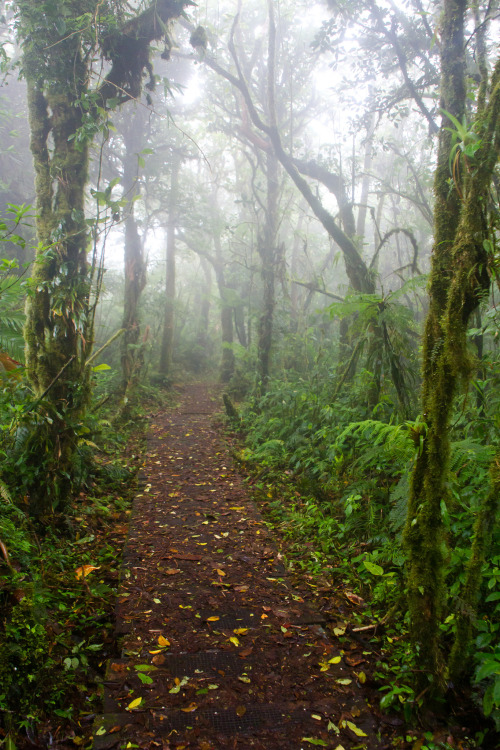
(487, 668)
(386, 701)
(101, 368)
(313, 741)
(488, 701)
(373, 568)
(145, 678)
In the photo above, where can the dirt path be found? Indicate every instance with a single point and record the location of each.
(219, 651)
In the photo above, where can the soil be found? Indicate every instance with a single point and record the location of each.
(220, 649)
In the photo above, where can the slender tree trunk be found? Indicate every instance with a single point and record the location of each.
(365, 183)
(135, 265)
(268, 253)
(167, 343)
(226, 319)
(206, 293)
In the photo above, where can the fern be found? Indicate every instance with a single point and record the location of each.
(4, 493)
(393, 440)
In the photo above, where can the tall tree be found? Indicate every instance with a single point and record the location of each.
(462, 263)
(61, 41)
(134, 260)
(167, 342)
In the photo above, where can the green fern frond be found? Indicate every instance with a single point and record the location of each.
(4, 493)
(394, 440)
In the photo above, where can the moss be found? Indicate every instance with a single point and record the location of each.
(485, 521)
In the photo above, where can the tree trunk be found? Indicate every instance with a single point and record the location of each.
(135, 265)
(64, 118)
(167, 342)
(459, 278)
(57, 309)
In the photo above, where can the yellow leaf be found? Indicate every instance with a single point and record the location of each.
(158, 651)
(234, 640)
(357, 731)
(135, 703)
(191, 707)
(344, 681)
(84, 571)
(324, 666)
(241, 631)
(240, 710)
(213, 619)
(361, 677)
(335, 660)
(163, 641)
(220, 572)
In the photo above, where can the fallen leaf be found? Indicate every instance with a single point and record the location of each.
(220, 572)
(234, 640)
(354, 598)
(171, 571)
(134, 704)
(246, 652)
(240, 631)
(191, 707)
(158, 659)
(240, 710)
(344, 681)
(213, 619)
(85, 570)
(162, 641)
(244, 678)
(335, 660)
(349, 724)
(313, 741)
(361, 677)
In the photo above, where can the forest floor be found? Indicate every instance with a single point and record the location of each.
(220, 648)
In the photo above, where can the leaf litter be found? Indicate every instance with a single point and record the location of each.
(292, 684)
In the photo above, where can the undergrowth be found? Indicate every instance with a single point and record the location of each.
(58, 584)
(335, 479)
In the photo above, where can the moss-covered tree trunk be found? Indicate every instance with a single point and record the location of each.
(64, 116)
(458, 280)
(57, 308)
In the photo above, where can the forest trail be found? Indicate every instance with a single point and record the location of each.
(218, 650)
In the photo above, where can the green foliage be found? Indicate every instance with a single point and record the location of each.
(353, 477)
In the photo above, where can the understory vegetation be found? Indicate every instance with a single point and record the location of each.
(334, 479)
